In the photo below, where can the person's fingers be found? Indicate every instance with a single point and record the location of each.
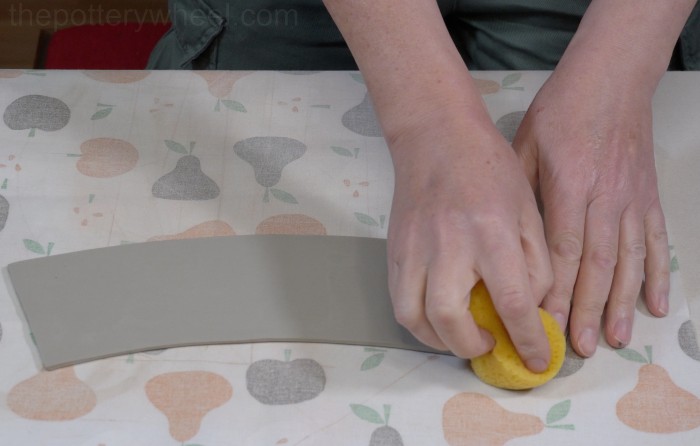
(657, 264)
(564, 220)
(407, 286)
(536, 253)
(504, 271)
(598, 263)
(449, 284)
(627, 282)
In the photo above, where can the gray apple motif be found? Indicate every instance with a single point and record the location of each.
(37, 112)
(186, 182)
(268, 155)
(508, 124)
(361, 119)
(385, 436)
(688, 340)
(4, 211)
(572, 362)
(274, 382)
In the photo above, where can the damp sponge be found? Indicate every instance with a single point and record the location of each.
(502, 366)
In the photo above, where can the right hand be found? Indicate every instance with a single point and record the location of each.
(463, 210)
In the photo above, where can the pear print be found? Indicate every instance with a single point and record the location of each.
(213, 228)
(656, 404)
(508, 124)
(118, 76)
(268, 155)
(362, 120)
(186, 397)
(473, 418)
(4, 211)
(687, 336)
(384, 435)
(106, 157)
(37, 112)
(221, 84)
(52, 396)
(291, 224)
(487, 86)
(274, 382)
(186, 181)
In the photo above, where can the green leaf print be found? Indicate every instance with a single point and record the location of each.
(34, 246)
(176, 147)
(367, 413)
(283, 196)
(234, 105)
(366, 219)
(558, 412)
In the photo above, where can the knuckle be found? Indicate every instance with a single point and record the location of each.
(635, 250)
(659, 235)
(604, 256)
(568, 246)
(441, 314)
(512, 304)
(408, 319)
(592, 308)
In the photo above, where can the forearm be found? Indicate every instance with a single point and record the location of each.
(409, 62)
(631, 39)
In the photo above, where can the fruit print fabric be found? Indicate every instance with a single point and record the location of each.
(201, 395)
(34, 112)
(275, 382)
(4, 211)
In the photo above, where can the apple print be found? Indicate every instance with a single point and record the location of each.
(10, 74)
(384, 435)
(37, 112)
(106, 157)
(268, 155)
(362, 120)
(4, 211)
(274, 382)
(572, 362)
(186, 181)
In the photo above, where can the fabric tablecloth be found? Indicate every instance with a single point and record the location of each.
(97, 159)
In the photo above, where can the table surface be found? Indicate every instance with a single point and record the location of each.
(96, 159)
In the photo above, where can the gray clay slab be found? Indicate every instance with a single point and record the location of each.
(111, 301)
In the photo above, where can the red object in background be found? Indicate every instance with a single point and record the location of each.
(103, 47)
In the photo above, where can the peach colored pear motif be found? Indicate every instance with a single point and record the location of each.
(52, 396)
(117, 76)
(656, 404)
(291, 224)
(213, 228)
(476, 419)
(221, 83)
(186, 397)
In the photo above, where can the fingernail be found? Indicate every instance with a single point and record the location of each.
(622, 332)
(663, 305)
(536, 365)
(561, 319)
(587, 342)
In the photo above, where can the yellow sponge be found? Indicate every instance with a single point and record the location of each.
(502, 367)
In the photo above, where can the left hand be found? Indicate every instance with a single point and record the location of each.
(586, 141)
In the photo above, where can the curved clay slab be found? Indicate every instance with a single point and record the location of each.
(112, 301)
